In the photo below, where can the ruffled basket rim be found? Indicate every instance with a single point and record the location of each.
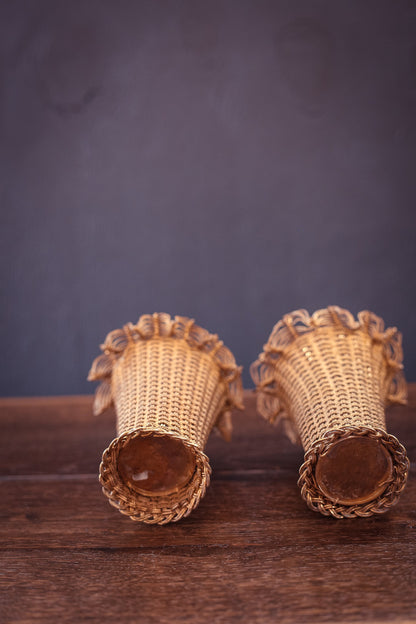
(162, 325)
(299, 323)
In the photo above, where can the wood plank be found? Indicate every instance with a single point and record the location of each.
(251, 552)
(59, 435)
(219, 584)
(258, 509)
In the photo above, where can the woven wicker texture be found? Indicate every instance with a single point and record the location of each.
(165, 377)
(326, 377)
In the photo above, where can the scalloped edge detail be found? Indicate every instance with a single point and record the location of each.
(161, 324)
(299, 322)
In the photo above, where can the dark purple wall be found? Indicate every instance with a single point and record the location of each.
(230, 161)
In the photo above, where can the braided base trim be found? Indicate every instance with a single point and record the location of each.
(152, 509)
(317, 501)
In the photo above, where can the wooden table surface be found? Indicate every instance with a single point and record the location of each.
(251, 552)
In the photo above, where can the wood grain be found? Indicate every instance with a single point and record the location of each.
(251, 552)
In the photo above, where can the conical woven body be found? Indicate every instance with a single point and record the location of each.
(329, 377)
(165, 385)
(170, 379)
(333, 380)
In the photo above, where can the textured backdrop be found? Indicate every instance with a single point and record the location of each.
(230, 161)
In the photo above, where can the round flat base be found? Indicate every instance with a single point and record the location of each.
(155, 464)
(354, 470)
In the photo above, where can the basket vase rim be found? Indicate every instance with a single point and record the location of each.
(318, 501)
(153, 508)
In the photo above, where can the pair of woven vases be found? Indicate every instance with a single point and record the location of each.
(326, 377)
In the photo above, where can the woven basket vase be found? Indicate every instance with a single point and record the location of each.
(166, 378)
(328, 378)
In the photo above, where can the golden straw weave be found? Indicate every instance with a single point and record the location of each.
(165, 377)
(327, 377)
